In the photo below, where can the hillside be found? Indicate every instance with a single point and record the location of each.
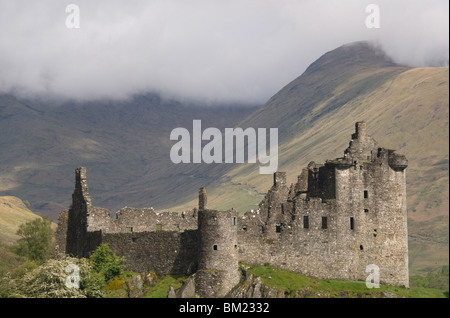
(125, 146)
(13, 212)
(405, 109)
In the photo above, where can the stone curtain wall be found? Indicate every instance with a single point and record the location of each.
(165, 252)
(141, 220)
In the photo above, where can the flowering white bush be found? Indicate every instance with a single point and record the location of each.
(58, 279)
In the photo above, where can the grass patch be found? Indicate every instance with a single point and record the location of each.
(161, 288)
(291, 282)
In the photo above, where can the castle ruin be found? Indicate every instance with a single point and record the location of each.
(338, 218)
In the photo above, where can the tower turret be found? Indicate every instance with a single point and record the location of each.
(218, 260)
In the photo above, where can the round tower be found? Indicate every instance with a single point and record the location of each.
(218, 253)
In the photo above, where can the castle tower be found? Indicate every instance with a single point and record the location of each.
(370, 188)
(218, 255)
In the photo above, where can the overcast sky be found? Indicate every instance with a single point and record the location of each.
(214, 50)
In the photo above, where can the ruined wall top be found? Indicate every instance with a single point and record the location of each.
(360, 130)
(202, 199)
(81, 186)
(279, 178)
(362, 147)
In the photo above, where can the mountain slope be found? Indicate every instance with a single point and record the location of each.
(125, 146)
(13, 212)
(405, 109)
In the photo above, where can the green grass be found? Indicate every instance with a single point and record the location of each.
(161, 288)
(118, 287)
(291, 282)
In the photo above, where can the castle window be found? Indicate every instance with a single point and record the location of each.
(366, 194)
(130, 229)
(306, 222)
(361, 247)
(324, 222)
(234, 221)
(278, 228)
(352, 223)
(215, 247)
(244, 228)
(366, 210)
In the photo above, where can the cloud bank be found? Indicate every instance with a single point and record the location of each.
(240, 51)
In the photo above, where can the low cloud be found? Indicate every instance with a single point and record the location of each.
(240, 51)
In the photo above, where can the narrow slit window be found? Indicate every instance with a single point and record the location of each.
(306, 222)
(366, 194)
(278, 228)
(352, 223)
(324, 222)
(234, 221)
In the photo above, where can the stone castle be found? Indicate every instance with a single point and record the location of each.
(340, 217)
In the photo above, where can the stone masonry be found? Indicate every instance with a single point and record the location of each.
(338, 218)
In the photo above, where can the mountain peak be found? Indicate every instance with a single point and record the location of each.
(355, 54)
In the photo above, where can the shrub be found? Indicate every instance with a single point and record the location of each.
(63, 278)
(36, 242)
(105, 262)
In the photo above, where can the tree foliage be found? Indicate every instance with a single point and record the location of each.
(105, 262)
(37, 240)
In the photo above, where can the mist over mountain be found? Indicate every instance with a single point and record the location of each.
(234, 51)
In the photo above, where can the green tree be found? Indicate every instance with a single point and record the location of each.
(106, 262)
(37, 240)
